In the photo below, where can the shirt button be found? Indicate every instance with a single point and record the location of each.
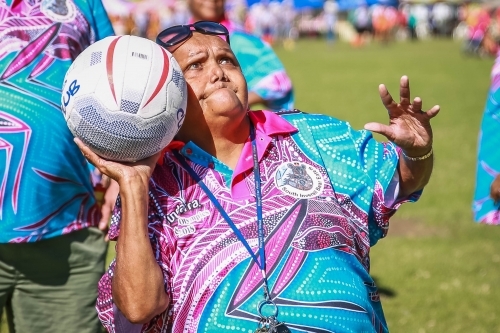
(189, 151)
(211, 165)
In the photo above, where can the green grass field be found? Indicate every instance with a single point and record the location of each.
(437, 270)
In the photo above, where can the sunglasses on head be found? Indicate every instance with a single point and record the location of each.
(180, 33)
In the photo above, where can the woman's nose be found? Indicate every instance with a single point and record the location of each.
(217, 73)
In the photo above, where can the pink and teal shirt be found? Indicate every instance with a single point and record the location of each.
(488, 156)
(45, 182)
(327, 193)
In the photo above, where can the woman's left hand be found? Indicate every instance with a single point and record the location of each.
(409, 127)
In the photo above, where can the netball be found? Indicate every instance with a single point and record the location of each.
(124, 97)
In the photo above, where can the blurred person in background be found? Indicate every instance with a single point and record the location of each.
(154, 24)
(268, 82)
(308, 191)
(486, 205)
(442, 18)
(494, 30)
(330, 9)
(289, 31)
(181, 12)
(51, 252)
(478, 21)
(363, 24)
(384, 20)
(141, 21)
(422, 16)
(412, 25)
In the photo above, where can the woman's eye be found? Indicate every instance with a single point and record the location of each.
(226, 61)
(195, 65)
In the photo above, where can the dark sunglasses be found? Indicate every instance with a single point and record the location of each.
(180, 33)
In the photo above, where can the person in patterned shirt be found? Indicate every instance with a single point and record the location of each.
(486, 204)
(244, 200)
(52, 252)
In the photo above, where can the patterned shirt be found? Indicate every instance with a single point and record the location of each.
(488, 156)
(45, 185)
(323, 187)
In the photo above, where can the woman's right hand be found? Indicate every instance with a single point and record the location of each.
(121, 172)
(495, 190)
(138, 285)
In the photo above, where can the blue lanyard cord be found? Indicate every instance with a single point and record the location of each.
(258, 201)
(260, 224)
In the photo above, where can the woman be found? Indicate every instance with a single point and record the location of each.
(305, 194)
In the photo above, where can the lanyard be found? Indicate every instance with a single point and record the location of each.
(258, 195)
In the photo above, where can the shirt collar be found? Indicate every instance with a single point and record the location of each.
(267, 124)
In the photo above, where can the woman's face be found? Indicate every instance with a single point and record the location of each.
(207, 10)
(212, 71)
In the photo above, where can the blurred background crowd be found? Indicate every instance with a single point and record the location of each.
(476, 23)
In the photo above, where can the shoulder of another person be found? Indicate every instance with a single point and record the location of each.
(244, 37)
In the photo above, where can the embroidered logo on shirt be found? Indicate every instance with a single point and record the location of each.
(184, 225)
(299, 180)
(181, 209)
(193, 218)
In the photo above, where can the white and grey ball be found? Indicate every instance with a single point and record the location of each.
(125, 97)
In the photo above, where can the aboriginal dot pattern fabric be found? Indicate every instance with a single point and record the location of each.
(323, 187)
(45, 182)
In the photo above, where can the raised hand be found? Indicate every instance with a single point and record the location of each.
(409, 127)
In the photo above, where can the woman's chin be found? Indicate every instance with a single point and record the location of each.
(224, 101)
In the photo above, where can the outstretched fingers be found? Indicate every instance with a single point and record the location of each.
(386, 97)
(417, 104)
(404, 90)
(385, 130)
(433, 111)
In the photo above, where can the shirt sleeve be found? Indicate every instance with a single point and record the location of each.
(357, 165)
(380, 161)
(108, 313)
